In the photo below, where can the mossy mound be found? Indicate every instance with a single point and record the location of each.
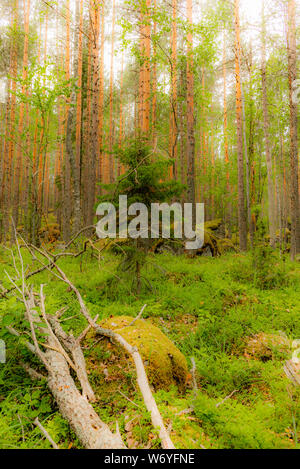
(165, 365)
(266, 347)
(213, 225)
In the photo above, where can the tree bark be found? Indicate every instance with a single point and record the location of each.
(111, 99)
(173, 131)
(292, 74)
(242, 220)
(270, 175)
(19, 156)
(190, 146)
(76, 170)
(94, 147)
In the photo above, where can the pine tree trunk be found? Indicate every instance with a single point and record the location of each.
(147, 72)
(227, 210)
(144, 94)
(182, 120)
(75, 167)
(173, 94)
(121, 117)
(11, 122)
(271, 187)
(154, 87)
(19, 156)
(190, 145)
(87, 129)
(242, 220)
(111, 99)
(292, 74)
(67, 193)
(101, 162)
(94, 127)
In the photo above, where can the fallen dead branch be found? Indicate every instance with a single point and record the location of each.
(142, 379)
(45, 433)
(138, 316)
(193, 373)
(292, 373)
(226, 398)
(63, 352)
(53, 258)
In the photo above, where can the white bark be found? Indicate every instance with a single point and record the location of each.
(74, 407)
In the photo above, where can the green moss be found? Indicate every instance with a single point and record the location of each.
(213, 224)
(165, 364)
(209, 308)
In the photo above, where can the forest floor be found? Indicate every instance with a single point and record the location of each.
(221, 311)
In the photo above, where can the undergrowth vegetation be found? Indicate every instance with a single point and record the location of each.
(210, 308)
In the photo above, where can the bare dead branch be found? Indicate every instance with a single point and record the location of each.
(133, 352)
(84, 333)
(138, 316)
(34, 375)
(73, 345)
(45, 433)
(74, 407)
(226, 398)
(193, 373)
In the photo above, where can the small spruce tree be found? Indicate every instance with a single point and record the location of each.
(145, 181)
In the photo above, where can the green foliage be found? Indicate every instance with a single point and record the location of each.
(208, 311)
(145, 178)
(238, 373)
(269, 271)
(264, 268)
(145, 181)
(42, 87)
(236, 426)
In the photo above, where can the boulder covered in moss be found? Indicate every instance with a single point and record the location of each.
(165, 365)
(213, 225)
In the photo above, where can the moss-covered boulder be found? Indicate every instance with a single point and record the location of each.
(165, 365)
(225, 245)
(213, 225)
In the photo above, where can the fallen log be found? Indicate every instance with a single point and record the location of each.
(73, 405)
(142, 379)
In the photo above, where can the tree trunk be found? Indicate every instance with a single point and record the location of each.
(111, 99)
(173, 131)
(190, 146)
(121, 117)
(242, 220)
(75, 408)
(19, 159)
(154, 87)
(146, 33)
(292, 73)
(77, 165)
(103, 172)
(271, 187)
(94, 127)
(67, 201)
(11, 122)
